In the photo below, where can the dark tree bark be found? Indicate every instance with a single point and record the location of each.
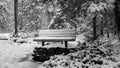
(108, 35)
(117, 15)
(20, 28)
(101, 31)
(107, 25)
(115, 29)
(15, 15)
(94, 28)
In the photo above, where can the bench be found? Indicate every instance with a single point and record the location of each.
(56, 35)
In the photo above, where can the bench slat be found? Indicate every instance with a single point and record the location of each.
(56, 35)
(54, 39)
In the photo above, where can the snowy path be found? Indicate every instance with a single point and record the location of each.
(16, 56)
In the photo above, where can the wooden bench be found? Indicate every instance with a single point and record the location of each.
(56, 35)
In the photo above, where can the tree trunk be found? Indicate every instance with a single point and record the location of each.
(15, 15)
(108, 26)
(94, 28)
(117, 15)
(21, 24)
(108, 31)
(101, 31)
(115, 29)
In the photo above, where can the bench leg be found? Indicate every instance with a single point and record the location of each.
(61, 42)
(66, 44)
(43, 43)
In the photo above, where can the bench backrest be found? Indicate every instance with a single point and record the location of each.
(57, 33)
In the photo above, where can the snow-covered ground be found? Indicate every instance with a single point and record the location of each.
(18, 55)
(14, 55)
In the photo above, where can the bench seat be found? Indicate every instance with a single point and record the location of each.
(54, 39)
(56, 35)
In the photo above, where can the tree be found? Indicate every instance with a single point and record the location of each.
(117, 15)
(37, 14)
(101, 11)
(16, 16)
(32, 15)
(70, 10)
(4, 17)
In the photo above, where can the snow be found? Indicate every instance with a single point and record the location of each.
(12, 55)
(18, 55)
(4, 36)
(80, 38)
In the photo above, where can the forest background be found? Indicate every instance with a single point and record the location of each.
(93, 18)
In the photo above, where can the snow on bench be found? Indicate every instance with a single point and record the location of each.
(56, 35)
